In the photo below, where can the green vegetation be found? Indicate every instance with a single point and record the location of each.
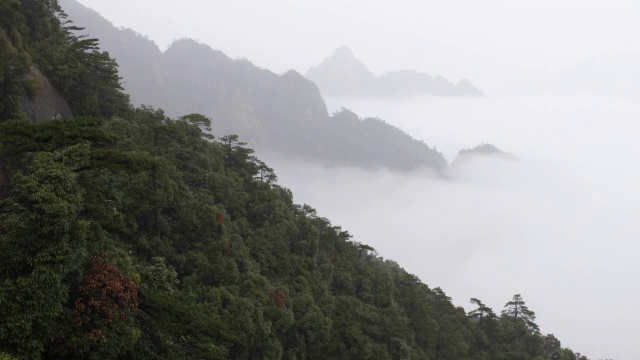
(125, 234)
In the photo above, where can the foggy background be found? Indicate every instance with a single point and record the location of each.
(559, 225)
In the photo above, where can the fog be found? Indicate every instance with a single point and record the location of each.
(558, 225)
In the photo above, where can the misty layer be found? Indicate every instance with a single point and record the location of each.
(562, 219)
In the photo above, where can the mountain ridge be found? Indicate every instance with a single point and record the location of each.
(282, 113)
(341, 74)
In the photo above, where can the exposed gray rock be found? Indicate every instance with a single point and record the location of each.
(45, 102)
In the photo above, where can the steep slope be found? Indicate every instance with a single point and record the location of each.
(279, 113)
(341, 74)
(44, 102)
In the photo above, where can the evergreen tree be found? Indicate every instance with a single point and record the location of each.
(517, 310)
(481, 312)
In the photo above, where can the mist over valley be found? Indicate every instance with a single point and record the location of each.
(555, 223)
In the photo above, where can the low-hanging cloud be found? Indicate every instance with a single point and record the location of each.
(559, 224)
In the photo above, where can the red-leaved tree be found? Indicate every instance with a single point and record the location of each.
(279, 297)
(104, 298)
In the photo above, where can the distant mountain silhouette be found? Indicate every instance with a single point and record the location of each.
(280, 113)
(343, 75)
(481, 150)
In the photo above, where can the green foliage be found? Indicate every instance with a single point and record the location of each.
(158, 276)
(227, 265)
(43, 249)
(103, 309)
(520, 313)
(12, 68)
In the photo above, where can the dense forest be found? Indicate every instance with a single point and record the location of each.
(128, 234)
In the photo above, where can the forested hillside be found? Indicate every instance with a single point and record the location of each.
(284, 114)
(127, 234)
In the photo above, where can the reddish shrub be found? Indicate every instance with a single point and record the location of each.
(220, 218)
(279, 298)
(104, 296)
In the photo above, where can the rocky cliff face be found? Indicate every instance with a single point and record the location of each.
(343, 75)
(43, 102)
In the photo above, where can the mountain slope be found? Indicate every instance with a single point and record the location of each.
(277, 113)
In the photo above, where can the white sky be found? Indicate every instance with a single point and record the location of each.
(491, 42)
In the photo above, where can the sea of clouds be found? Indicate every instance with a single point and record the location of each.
(559, 224)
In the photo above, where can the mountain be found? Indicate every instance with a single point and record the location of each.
(343, 75)
(127, 234)
(283, 114)
(482, 150)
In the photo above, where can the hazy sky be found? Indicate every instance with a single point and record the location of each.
(500, 45)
